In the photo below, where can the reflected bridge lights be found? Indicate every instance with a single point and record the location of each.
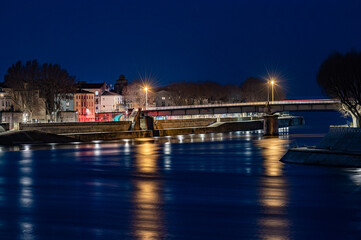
(126, 146)
(202, 136)
(180, 138)
(167, 148)
(26, 147)
(53, 146)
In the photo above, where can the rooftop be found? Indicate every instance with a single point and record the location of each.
(90, 85)
(82, 91)
(106, 93)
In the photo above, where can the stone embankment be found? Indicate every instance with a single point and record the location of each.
(76, 127)
(86, 137)
(90, 131)
(183, 123)
(340, 147)
(214, 128)
(31, 137)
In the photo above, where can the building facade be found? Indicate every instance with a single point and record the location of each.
(163, 98)
(6, 103)
(84, 105)
(120, 84)
(111, 102)
(98, 89)
(67, 103)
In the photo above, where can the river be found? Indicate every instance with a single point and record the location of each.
(206, 186)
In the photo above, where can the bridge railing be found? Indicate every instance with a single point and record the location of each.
(284, 102)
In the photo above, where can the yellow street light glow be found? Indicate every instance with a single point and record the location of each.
(272, 82)
(146, 97)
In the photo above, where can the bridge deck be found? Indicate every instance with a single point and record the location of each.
(276, 106)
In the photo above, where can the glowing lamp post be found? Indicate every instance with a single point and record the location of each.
(146, 97)
(272, 85)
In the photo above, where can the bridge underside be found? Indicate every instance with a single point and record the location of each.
(240, 109)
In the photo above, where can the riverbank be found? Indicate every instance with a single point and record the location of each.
(78, 132)
(340, 147)
(11, 138)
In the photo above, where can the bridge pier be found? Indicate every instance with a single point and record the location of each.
(270, 125)
(355, 121)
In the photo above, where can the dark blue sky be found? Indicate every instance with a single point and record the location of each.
(224, 41)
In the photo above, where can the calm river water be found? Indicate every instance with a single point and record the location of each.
(213, 186)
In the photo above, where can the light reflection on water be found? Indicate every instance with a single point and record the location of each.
(147, 222)
(26, 195)
(273, 190)
(161, 183)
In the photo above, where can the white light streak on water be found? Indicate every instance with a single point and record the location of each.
(27, 231)
(202, 136)
(356, 176)
(167, 148)
(167, 162)
(180, 138)
(26, 181)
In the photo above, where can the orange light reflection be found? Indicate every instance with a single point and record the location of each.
(148, 219)
(273, 192)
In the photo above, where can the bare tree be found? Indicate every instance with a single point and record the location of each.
(190, 93)
(22, 80)
(134, 95)
(55, 84)
(33, 85)
(255, 90)
(340, 77)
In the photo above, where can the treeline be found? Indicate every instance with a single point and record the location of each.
(251, 90)
(31, 82)
(190, 93)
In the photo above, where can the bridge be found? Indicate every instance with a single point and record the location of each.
(270, 120)
(255, 107)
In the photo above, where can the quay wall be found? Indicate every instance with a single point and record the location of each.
(183, 123)
(222, 127)
(345, 139)
(321, 157)
(107, 136)
(4, 127)
(89, 131)
(290, 121)
(203, 122)
(76, 127)
(340, 147)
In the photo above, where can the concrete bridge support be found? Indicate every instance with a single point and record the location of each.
(355, 121)
(270, 125)
(136, 121)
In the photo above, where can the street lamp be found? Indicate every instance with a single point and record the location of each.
(146, 97)
(272, 85)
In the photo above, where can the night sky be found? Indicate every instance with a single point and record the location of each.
(170, 41)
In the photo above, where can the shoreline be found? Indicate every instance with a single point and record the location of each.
(14, 138)
(341, 147)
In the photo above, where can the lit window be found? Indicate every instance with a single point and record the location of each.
(96, 93)
(163, 98)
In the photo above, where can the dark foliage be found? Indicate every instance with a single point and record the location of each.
(190, 93)
(31, 81)
(340, 77)
(256, 90)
